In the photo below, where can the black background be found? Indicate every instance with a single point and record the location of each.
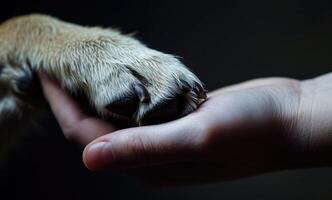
(223, 42)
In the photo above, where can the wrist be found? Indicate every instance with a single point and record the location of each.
(310, 123)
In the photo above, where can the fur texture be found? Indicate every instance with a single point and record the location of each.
(103, 64)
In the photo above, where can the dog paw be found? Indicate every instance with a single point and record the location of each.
(156, 89)
(120, 77)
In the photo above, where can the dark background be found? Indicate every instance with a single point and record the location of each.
(223, 42)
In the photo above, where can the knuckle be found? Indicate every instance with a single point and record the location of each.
(136, 145)
(139, 150)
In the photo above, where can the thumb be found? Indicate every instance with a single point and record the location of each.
(143, 146)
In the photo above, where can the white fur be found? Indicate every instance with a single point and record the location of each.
(89, 59)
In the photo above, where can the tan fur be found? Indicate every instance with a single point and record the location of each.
(93, 60)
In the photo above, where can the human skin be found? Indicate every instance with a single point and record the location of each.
(254, 127)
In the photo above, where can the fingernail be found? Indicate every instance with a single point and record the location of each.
(93, 155)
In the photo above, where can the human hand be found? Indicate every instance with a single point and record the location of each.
(250, 128)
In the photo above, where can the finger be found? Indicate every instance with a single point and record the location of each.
(144, 146)
(64, 108)
(74, 122)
